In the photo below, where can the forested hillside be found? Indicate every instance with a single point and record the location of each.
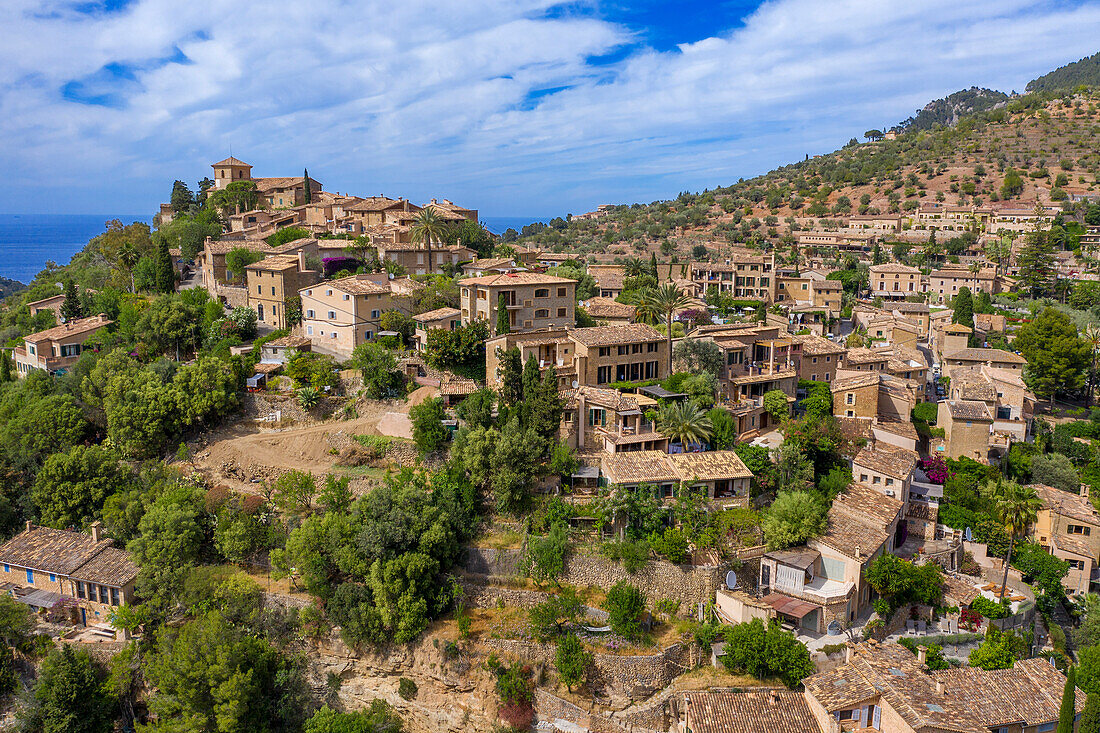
(1085, 72)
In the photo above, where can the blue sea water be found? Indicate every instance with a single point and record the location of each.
(28, 240)
(498, 224)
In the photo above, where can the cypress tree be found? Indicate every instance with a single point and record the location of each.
(5, 367)
(1090, 718)
(165, 281)
(510, 374)
(71, 308)
(308, 193)
(532, 379)
(653, 266)
(1069, 698)
(964, 308)
(503, 325)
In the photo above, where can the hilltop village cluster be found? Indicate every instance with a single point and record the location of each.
(772, 336)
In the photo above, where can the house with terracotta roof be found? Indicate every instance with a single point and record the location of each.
(1003, 391)
(997, 358)
(874, 395)
(274, 280)
(918, 313)
(532, 300)
(742, 274)
(608, 311)
(338, 315)
(446, 318)
(721, 476)
(628, 352)
(819, 358)
(967, 425)
(945, 283)
(58, 348)
(479, 266)
(596, 419)
(893, 281)
(52, 304)
(1068, 527)
(609, 280)
(413, 258)
(80, 574)
(886, 468)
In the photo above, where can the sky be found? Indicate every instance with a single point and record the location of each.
(513, 107)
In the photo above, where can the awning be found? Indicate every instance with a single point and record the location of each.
(791, 607)
(660, 393)
(40, 599)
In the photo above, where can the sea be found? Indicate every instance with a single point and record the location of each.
(27, 241)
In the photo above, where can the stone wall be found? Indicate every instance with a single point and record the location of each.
(231, 295)
(638, 677)
(550, 708)
(688, 584)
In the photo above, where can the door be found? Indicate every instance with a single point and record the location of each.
(83, 617)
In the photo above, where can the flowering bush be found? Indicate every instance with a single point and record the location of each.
(693, 317)
(935, 468)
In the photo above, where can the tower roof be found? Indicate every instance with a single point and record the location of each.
(231, 161)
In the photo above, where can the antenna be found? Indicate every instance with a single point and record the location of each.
(731, 580)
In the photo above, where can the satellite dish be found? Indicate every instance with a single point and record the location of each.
(731, 580)
(968, 535)
(576, 384)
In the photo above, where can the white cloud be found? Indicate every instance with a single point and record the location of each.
(443, 99)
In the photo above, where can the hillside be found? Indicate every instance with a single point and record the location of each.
(1084, 72)
(1044, 143)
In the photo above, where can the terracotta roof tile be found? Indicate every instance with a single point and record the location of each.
(625, 333)
(888, 460)
(72, 328)
(516, 278)
(987, 355)
(1070, 505)
(438, 314)
(968, 410)
(750, 711)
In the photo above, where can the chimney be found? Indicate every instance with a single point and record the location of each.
(773, 698)
(922, 654)
(858, 551)
(941, 689)
(1085, 490)
(301, 260)
(95, 527)
(30, 525)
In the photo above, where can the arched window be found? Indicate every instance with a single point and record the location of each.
(542, 293)
(542, 313)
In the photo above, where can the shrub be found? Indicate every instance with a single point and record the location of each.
(672, 544)
(763, 651)
(572, 660)
(624, 605)
(407, 689)
(633, 555)
(989, 609)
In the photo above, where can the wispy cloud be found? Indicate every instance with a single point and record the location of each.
(521, 107)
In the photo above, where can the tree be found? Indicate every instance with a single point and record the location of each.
(1090, 718)
(793, 518)
(71, 308)
(663, 302)
(1057, 470)
(476, 411)
(696, 356)
(378, 718)
(546, 555)
(1012, 185)
(1091, 338)
(239, 258)
(510, 376)
(378, 365)
(572, 660)
(964, 308)
(684, 422)
(549, 618)
(503, 324)
(68, 697)
(1056, 356)
(294, 491)
(168, 544)
(165, 271)
(308, 190)
(1018, 508)
(994, 653)
(71, 487)
(5, 367)
(427, 226)
(763, 651)
(776, 405)
(873, 135)
(429, 432)
(625, 605)
(1068, 710)
(1036, 262)
(182, 199)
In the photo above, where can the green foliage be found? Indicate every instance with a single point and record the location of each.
(963, 305)
(67, 697)
(572, 660)
(284, 235)
(818, 402)
(549, 618)
(406, 688)
(697, 356)
(1056, 355)
(1055, 469)
(545, 557)
(1040, 568)
(314, 370)
(1067, 712)
(793, 518)
(776, 405)
(464, 346)
(996, 652)
(294, 491)
(378, 365)
(169, 542)
(988, 609)
(672, 544)
(625, 605)
(903, 582)
(429, 433)
(237, 259)
(632, 554)
(723, 428)
(1090, 717)
(72, 487)
(763, 652)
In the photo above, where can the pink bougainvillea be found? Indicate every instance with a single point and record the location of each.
(935, 468)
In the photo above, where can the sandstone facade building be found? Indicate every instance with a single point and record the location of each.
(532, 300)
(56, 349)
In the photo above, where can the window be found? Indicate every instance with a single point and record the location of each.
(272, 289)
(876, 480)
(331, 315)
(596, 416)
(1046, 727)
(542, 313)
(561, 292)
(30, 576)
(603, 375)
(889, 482)
(80, 589)
(259, 290)
(309, 313)
(814, 360)
(605, 351)
(332, 335)
(346, 296)
(328, 292)
(561, 312)
(863, 478)
(309, 330)
(53, 578)
(624, 350)
(115, 600)
(542, 293)
(375, 313)
(850, 398)
(651, 348)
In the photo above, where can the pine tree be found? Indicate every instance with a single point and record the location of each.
(510, 376)
(1090, 718)
(964, 308)
(165, 281)
(308, 193)
(1036, 262)
(1069, 698)
(71, 309)
(503, 325)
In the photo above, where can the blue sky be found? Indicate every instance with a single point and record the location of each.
(514, 107)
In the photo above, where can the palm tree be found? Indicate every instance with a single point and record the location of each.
(1018, 508)
(684, 422)
(1092, 338)
(663, 302)
(127, 259)
(428, 225)
(634, 267)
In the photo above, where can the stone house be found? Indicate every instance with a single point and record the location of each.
(945, 284)
(1009, 400)
(274, 279)
(719, 475)
(445, 318)
(338, 315)
(996, 358)
(479, 266)
(743, 274)
(608, 311)
(64, 569)
(918, 313)
(413, 258)
(216, 273)
(873, 395)
(58, 348)
(1068, 527)
(598, 420)
(887, 469)
(819, 359)
(893, 281)
(533, 300)
(609, 280)
(827, 294)
(967, 425)
(52, 304)
(550, 346)
(623, 353)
